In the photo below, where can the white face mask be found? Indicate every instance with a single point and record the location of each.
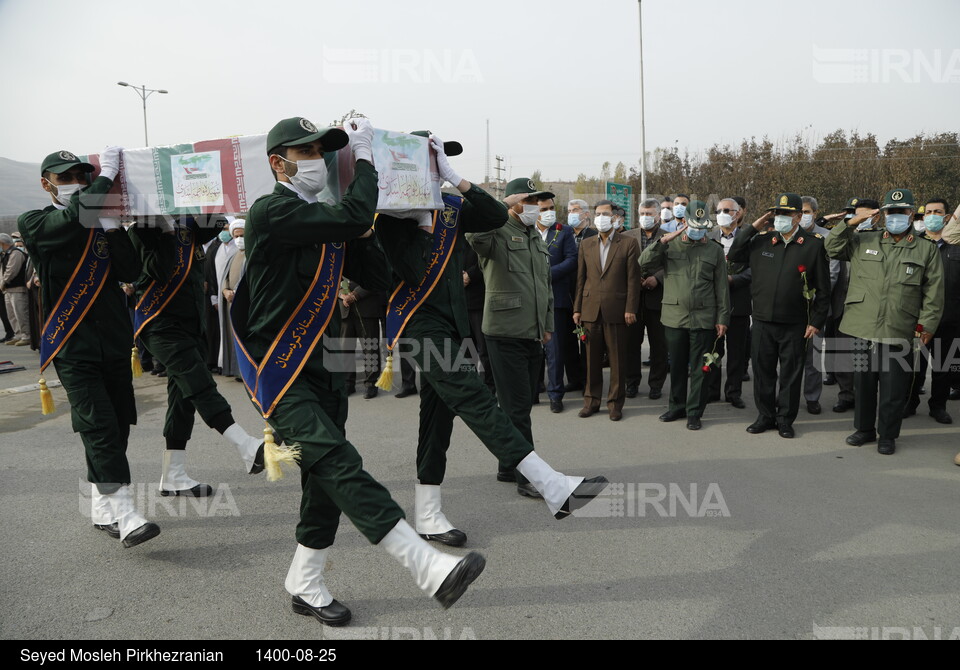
(65, 192)
(239, 242)
(647, 222)
(617, 224)
(530, 215)
(783, 223)
(548, 218)
(666, 214)
(311, 177)
(724, 220)
(573, 219)
(603, 222)
(806, 221)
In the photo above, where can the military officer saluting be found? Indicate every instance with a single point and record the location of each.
(791, 298)
(81, 260)
(895, 294)
(696, 307)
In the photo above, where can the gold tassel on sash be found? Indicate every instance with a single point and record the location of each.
(46, 398)
(385, 381)
(274, 455)
(135, 363)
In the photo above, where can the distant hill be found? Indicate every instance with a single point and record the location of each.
(19, 191)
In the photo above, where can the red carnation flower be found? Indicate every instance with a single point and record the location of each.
(919, 328)
(802, 268)
(583, 338)
(706, 369)
(558, 227)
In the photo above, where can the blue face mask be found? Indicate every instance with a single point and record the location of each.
(696, 234)
(224, 236)
(573, 219)
(933, 223)
(680, 211)
(897, 224)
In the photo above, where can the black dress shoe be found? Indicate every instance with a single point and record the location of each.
(886, 446)
(909, 411)
(536, 400)
(785, 430)
(655, 394)
(111, 529)
(351, 391)
(334, 614)
(861, 437)
(693, 423)
(746, 376)
(814, 408)
(830, 380)
(954, 394)
(198, 491)
(714, 397)
(147, 531)
(528, 491)
(922, 391)
(738, 403)
(646, 363)
(556, 406)
(843, 406)
(573, 387)
(162, 373)
(406, 392)
(761, 425)
(587, 491)
(673, 415)
(941, 416)
(371, 392)
(506, 475)
(258, 462)
(452, 538)
(632, 391)
(462, 576)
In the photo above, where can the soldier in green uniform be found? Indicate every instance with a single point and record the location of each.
(518, 307)
(290, 237)
(174, 333)
(791, 298)
(696, 307)
(440, 324)
(93, 361)
(895, 295)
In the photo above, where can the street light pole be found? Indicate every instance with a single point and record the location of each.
(643, 131)
(144, 93)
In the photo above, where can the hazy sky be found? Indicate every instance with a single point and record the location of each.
(558, 80)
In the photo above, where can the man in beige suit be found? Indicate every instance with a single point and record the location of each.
(606, 302)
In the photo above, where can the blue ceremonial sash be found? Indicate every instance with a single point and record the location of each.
(157, 295)
(82, 289)
(406, 300)
(292, 347)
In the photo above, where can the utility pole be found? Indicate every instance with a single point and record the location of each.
(643, 130)
(500, 182)
(486, 173)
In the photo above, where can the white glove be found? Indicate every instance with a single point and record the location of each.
(443, 164)
(109, 224)
(110, 162)
(361, 139)
(423, 217)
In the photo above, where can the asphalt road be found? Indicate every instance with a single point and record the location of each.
(765, 537)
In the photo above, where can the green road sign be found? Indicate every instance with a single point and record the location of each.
(621, 194)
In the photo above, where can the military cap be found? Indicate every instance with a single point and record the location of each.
(526, 185)
(851, 205)
(899, 198)
(60, 161)
(298, 130)
(449, 148)
(787, 202)
(698, 216)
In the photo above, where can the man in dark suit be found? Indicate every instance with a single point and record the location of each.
(650, 290)
(363, 312)
(475, 291)
(606, 303)
(575, 353)
(563, 275)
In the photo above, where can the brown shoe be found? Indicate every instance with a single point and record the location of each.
(615, 415)
(587, 411)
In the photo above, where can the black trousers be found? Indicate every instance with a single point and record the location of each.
(944, 353)
(479, 341)
(881, 387)
(783, 345)
(735, 347)
(516, 371)
(649, 320)
(367, 330)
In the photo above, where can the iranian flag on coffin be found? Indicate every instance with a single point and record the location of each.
(220, 176)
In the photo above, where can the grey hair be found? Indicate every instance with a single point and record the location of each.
(6, 239)
(736, 206)
(810, 200)
(583, 204)
(650, 203)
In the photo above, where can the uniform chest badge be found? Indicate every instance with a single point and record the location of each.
(910, 270)
(768, 254)
(514, 238)
(873, 252)
(800, 240)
